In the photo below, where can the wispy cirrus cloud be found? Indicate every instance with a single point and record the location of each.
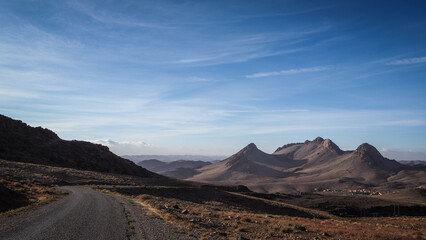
(407, 61)
(235, 55)
(12, 93)
(288, 71)
(198, 79)
(243, 47)
(114, 19)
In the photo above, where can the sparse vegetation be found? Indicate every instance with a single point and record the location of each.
(16, 196)
(24, 184)
(130, 231)
(43, 175)
(225, 217)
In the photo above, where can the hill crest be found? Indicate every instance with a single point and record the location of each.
(23, 143)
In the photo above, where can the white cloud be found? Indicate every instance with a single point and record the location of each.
(234, 48)
(109, 18)
(285, 72)
(236, 55)
(198, 79)
(407, 61)
(196, 60)
(126, 148)
(122, 148)
(12, 93)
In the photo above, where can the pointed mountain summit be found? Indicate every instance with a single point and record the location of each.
(249, 149)
(366, 151)
(243, 155)
(251, 146)
(327, 143)
(370, 155)
(247, 164)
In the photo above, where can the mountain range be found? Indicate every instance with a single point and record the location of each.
(172, 158)
(297, 167)
(313, 165)
(413, 162)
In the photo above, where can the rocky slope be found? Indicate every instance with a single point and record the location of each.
(23, 143)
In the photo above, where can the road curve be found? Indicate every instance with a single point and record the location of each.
(83, 214)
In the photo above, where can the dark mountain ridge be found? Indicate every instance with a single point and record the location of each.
(23, 143)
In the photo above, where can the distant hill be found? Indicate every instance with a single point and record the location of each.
(181, 173)
(151, 164)
(159, 166)
(180, 169)
(23, 143)
(171, 158)
(413, 162)
(304, 167)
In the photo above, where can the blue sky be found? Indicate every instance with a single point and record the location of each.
(209, 77)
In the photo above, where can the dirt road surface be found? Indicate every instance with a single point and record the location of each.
(85, 214)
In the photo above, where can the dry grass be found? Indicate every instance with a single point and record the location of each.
(51, 176)
(26, 195)
(313, 212)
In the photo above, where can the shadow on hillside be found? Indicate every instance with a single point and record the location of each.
(205, 194)
(349, 206)
(10, 199)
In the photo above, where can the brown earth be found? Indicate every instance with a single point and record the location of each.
(240, 215)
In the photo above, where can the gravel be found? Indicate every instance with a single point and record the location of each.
(85, 214)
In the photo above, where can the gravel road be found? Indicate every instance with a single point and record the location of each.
(85, 214)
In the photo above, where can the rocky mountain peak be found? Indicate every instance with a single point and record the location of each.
(242, 155)
(318, 140)
(251, 146)
(248, 149)
(366, 150)
(327, 143)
